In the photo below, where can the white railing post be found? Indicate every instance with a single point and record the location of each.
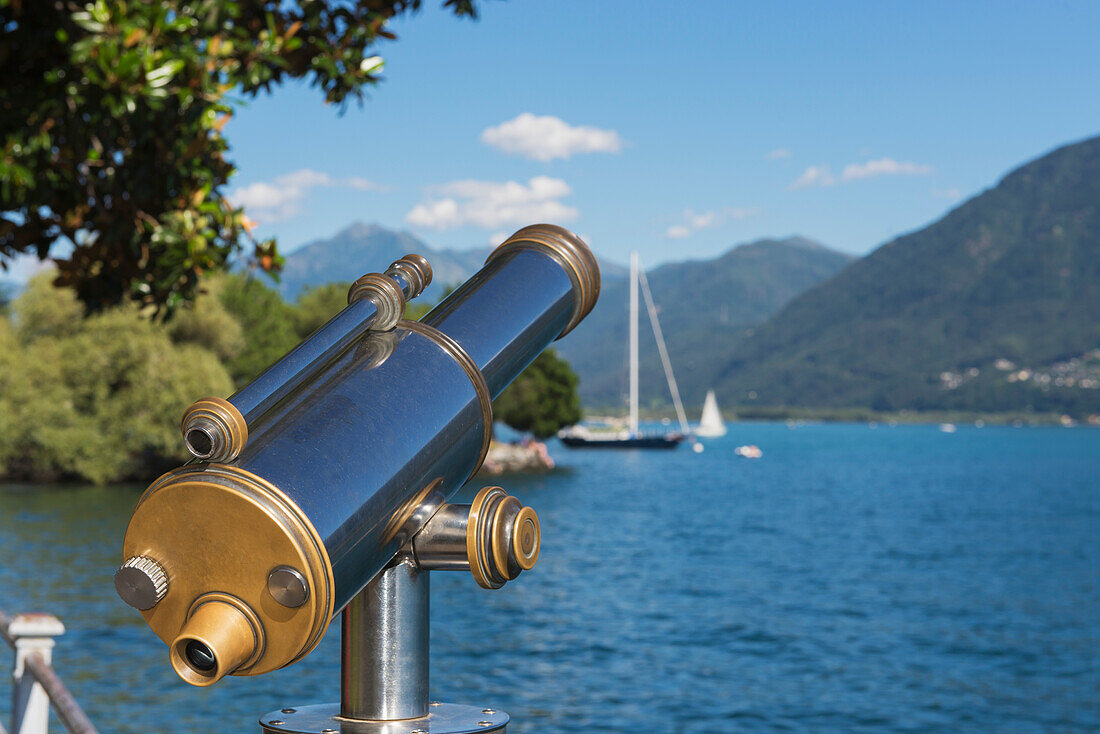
(30, 707)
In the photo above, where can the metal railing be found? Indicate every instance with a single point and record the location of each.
(35, 684)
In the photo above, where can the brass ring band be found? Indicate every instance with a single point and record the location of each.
(507, 510)
(455, 350)
(385, 294)
(571, 253)
(478, 537)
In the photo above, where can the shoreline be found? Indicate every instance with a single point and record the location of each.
(867, 415)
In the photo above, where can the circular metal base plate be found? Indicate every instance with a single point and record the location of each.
(442, 718)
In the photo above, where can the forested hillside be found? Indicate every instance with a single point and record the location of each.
(994, 307)
(706, 308)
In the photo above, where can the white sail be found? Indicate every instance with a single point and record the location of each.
(711, 425)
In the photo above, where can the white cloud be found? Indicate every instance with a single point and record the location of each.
(699, 221)
(545, 137)
(264, 196)
(952, 194)
(361, 184)
(778, 154)
(694, 222)
(822, 176)
(281, 199)
(497, 238)
(883, 167)
(814, 176)
(493, 204)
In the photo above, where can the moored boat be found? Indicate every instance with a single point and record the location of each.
(630, 438)
(582, 437)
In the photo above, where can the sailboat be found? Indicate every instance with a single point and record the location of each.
(711, 425)
(584, 437)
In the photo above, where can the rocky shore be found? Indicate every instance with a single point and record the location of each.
(508, 458)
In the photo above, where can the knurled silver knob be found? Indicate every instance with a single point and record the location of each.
(141, 582)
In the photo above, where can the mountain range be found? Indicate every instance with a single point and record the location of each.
(705, 307)
(361, 248)
(994, 307)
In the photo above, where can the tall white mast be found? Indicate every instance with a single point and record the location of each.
(663, 351)
(633, 344)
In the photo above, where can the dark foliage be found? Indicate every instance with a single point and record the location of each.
(111, 114)
(543, 399)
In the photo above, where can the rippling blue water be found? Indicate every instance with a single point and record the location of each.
(854, 579)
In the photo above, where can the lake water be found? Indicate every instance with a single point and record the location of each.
(853, 579)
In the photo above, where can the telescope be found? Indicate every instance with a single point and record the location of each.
(322, 488)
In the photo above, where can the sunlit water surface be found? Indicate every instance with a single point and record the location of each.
(853, 579)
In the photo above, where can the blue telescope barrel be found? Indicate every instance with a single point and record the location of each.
(240, 564)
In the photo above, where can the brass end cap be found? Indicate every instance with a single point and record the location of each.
(526, 539)
(571, 253)
(385, 294)
(217, 532)
(503, 538)
(214, 430)
(221, 635)
(414, 270)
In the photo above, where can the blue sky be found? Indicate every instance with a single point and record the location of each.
(676, 129)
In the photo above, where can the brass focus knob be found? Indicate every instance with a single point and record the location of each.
(141, 582)
(502, 538)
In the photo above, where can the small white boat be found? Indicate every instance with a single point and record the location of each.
(751, 451)
(711, 425)
(948, 427)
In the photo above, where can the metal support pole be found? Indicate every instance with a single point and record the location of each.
(384, 657)
(30, 706)
(384, 647)
(384, 670)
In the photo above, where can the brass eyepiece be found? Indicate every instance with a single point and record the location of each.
(214, 430)
(221, 635)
